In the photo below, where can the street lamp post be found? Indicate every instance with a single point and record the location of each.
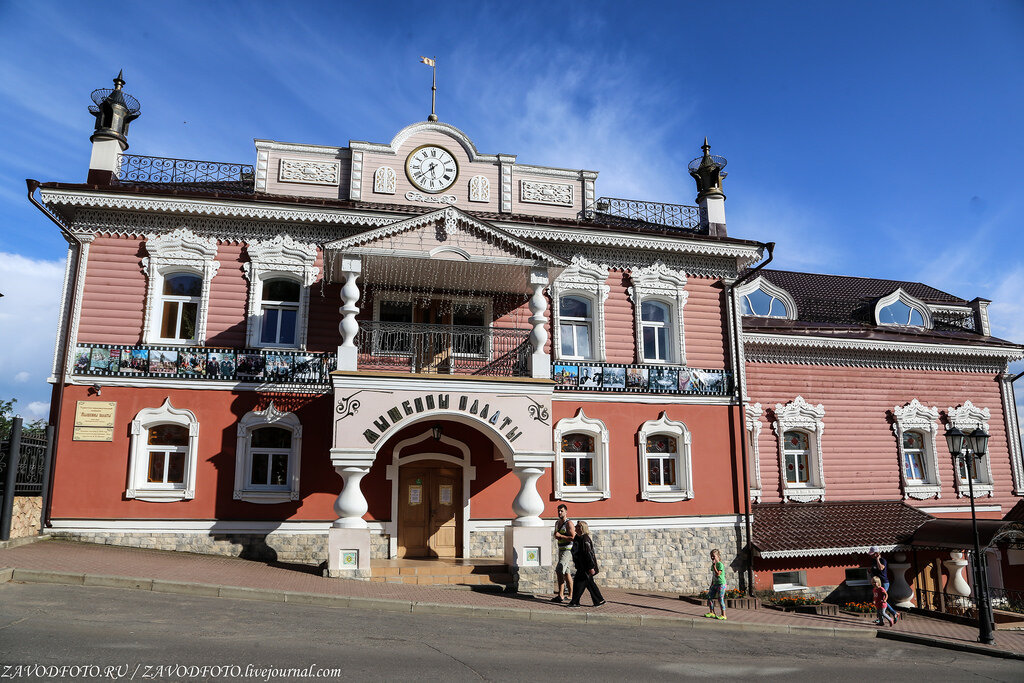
(969, 449)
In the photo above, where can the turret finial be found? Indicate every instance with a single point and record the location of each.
(119, 81)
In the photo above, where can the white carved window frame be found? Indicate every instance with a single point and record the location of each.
(278, 258)
(753, 414)
(916, 417)
(683, 489)
(799, 415)
(601, 488)
(913, 302)
(384, 180)
(180, 251)
(138, 462)
(771, 289)
(589, 281)
(967, 417)
(660, 283)
(251, 421)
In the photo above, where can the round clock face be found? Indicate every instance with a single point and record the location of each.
(431, 168)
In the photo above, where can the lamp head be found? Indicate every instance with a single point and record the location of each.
(955, 440)
(436, 429)
(978, 442)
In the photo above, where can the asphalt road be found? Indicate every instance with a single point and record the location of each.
(158, 636)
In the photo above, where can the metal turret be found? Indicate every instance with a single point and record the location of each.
(114, 109)
(707, 172)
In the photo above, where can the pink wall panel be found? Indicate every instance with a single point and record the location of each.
(703, 318)
(114, 292)
(861, 458)
(619, 338)
(275, 186)
(229, 293)
(324, 317)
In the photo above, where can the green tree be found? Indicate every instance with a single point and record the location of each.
(35, 428)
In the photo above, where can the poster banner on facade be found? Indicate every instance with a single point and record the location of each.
(639, 379)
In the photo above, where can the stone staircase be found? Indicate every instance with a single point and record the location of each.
(476, 572)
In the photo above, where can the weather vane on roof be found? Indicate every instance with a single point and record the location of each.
(432, 63)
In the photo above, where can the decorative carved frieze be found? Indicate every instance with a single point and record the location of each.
(431, 198)
(384, 180)
(545, 193)
(309, 172)
(479, 189)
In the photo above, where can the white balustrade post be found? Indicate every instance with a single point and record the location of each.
(540, 361)
(528, 505)
(957, 584)
(900, 592)
(348, 354)
(351, 504)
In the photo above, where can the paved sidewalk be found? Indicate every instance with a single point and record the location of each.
(167, 571)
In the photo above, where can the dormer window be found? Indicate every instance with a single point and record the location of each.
(760, 298)
(899, 309)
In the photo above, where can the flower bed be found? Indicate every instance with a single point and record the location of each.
(859, 609)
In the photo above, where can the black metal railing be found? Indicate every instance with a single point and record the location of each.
(185, 174)
(443, 349)
(639, 378)
(31, 465)
(956, 605)
(269, 366)
(634, 213)
(954, 320)
(1010, 600)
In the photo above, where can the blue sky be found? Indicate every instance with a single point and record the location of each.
(874, 138)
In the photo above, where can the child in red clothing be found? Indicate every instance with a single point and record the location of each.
(881, 600)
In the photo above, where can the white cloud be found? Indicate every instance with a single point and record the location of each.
(37, 410)
(1006, 313)
(28, 325)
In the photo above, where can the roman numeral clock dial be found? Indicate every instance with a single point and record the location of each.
(432, 169)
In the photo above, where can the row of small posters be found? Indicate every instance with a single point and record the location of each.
(626, 378)
(199, 363)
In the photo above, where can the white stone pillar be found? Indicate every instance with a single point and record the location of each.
(348, 354)
(540, 361)
(348, 540)
(900, 592)
(351, 504)
(957, 583)
(528, 504)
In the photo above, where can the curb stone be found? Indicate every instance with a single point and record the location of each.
(15, 575)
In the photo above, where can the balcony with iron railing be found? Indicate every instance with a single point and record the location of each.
(633, 213)
(166, 173)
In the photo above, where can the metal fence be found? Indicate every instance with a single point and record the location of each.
(1010, 600)
(169, 173)
(633, 212)
(443, 349)
(31, 465)
(938, 601)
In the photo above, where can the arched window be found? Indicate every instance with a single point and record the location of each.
(162, 457)
(576, 327)
(267, 456)
(279, 312)
(797, 449)
(180, 298)
(914, 468)
(760, 303)
(899, 313)
(799, 426)
(916, 428)
(656, 325)
(581, 467)
(166, 453)
(665, 471)
(577, 460)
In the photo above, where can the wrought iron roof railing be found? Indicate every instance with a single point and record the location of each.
(185, 174)
(635, 213)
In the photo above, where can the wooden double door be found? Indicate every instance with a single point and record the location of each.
(429, 510)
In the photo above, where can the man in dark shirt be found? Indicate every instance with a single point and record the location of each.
(880, 568)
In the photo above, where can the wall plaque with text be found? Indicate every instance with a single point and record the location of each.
(94, 421)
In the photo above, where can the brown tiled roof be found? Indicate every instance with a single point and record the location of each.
(832, 528)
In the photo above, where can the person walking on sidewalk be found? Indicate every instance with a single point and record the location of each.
(881, 602)
(880, 571)
(564, 533)
(585, 559)
(716, 591)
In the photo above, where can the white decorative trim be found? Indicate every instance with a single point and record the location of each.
(753, 422)
(76, 312)
(822, 552)
(270, 417)
(597, 429)
(959, 509)
(967, 417)
(309, 172)
(911, 301)
(505, 168)
(298, 147)
(1012, 432)
(588, 280)
(658, 282)
(262, 166)
(545, 193)
(424, 127)
(355, 183)
(280, 257)
(479, 189)
(392, 475)
(683, 490)
(914, 416)
(384, 180)
(770, 288)
(66, 316)
(176, 252)
(611, 397)
(138, 464)
(799, 415)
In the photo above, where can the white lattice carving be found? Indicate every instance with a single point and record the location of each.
(279, 257)
(545, 193)
(384, 180)
(588, 279)
(1012, 432)
(479, 189)
(309, 172)
(753, 415)
(967, 417)
(917, 417)
(659, 282)
(800, 415)
(178, 251)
